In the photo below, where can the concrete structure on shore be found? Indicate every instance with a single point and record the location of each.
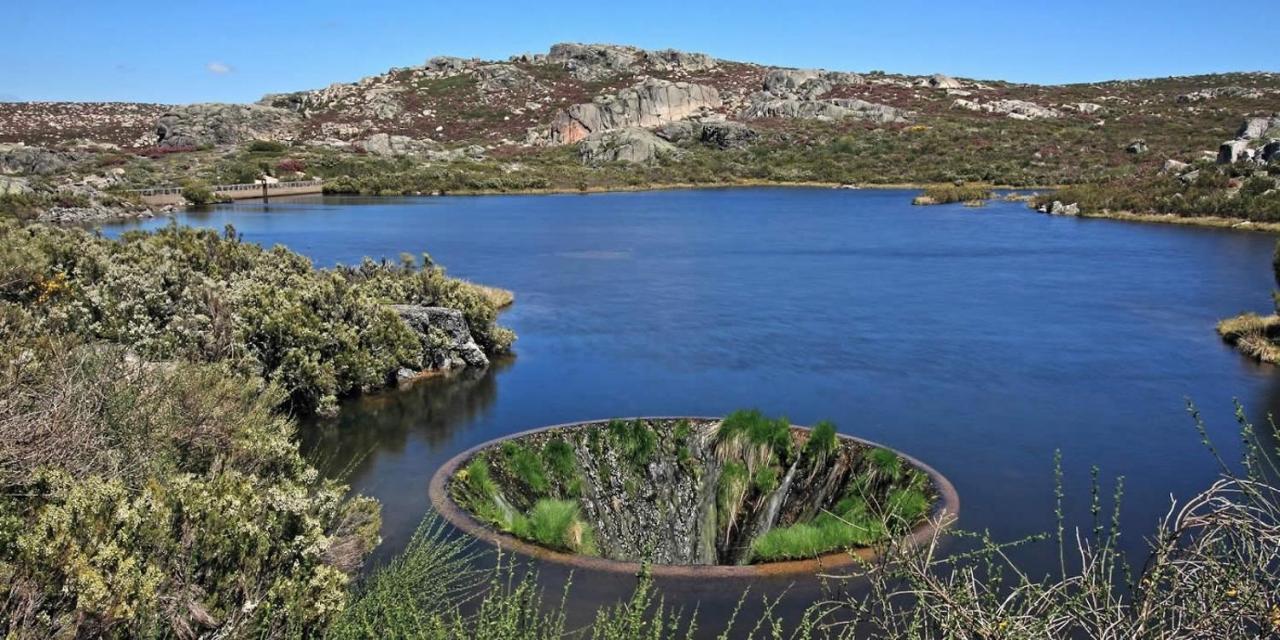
(173, 195)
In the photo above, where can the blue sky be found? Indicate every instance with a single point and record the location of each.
(237, 51)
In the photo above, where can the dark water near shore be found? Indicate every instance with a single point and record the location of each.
(980, 341)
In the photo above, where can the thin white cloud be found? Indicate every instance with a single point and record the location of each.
(218, 68)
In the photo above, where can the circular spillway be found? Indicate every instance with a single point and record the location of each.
(691, 496)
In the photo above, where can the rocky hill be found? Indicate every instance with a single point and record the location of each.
(607, 116)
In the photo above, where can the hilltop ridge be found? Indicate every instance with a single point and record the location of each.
(604, 115)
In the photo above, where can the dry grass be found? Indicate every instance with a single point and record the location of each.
(499, 298)
(1217, 222)
(98, 410)
(969, 194)
(1212, 570)
(1253, 335)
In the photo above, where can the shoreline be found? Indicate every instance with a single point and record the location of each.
(675, 186)
(1213, 222)
(1216, 222)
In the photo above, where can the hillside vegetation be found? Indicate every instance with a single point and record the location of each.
(586, 117)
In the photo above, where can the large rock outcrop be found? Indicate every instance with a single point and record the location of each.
(24, 160)
(1254, 142)
(832, 109)
(1233, 151)
(639, 146)
(593, 62)
(224, 124)
(940, 81)
(1255, 128)
(1220, 92)
(649, 104)
(797, 93)
(382, 144)
(1016, 109)
(494, 78)
(806, 83)
(446, 339)
(722, 135)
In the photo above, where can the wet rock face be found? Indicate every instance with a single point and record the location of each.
(688, 492)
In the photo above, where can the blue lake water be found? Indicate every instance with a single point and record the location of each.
(979, 340)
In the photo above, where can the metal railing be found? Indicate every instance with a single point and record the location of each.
(218, 188)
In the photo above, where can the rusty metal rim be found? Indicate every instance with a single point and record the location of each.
(945, 509)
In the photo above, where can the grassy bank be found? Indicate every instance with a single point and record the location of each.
(1215, 222)
(1254, 335)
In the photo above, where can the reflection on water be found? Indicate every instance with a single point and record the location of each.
(402, 429)
(980, 341)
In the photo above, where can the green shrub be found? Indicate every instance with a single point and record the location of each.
(765, 480)
(475, 477)
(563, 464)
(22, 206)
(750, 428)
(266, 146)
(852, 525)
(180, 293)
(526, 466)
(906, 506)
(555, 524)
(125, 489)
(885, 461)
(822, 440)
(198, 193)
(635, 439)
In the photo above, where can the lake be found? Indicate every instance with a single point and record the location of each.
(978, 340)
